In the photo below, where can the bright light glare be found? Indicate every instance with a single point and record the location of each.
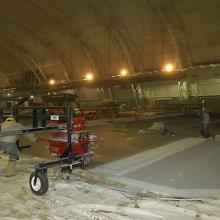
(31, 96)
(124, 72)
(169, 68)
(52, 82)
(89, 76)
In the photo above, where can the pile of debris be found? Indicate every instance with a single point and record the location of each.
(158, 127)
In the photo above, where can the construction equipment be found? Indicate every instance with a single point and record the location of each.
(69, 144)
(72, 148)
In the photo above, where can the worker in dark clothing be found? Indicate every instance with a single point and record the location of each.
(205, 124)
(167, 129)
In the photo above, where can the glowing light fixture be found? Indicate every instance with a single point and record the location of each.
(31, 96)
(52, 82)
(169, 68)
(89, 76)
(124, 72)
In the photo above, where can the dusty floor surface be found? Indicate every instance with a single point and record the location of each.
(86, 195)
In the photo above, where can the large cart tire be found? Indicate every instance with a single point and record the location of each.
(38, 183)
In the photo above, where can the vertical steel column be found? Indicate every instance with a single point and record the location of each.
(43, 117)
(35, 117)
(69, 130)
(15, 112)
(111, 93)
(135, 93)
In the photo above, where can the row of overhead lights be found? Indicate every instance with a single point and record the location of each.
(90, 76)
(168, 68)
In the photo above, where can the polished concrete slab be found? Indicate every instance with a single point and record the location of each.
(184, 168)
(194, 168)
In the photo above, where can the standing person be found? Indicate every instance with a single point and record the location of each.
(9, 144)
(205, 123)
(203, 107)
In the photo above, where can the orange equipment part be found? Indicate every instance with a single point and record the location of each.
(80, 139)
(78, 124)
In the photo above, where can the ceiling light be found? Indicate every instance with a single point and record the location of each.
(124, 72)
(89, 76)
(52, 82)
(169, 68)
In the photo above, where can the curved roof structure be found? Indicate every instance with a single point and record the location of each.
(65, 39)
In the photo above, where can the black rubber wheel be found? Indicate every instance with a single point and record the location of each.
(41, 186)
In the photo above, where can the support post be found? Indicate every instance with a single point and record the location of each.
(69, 131)
(35, 117)
(136, 94)
(43, 117)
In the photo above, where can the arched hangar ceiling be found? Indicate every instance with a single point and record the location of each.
(65, 39)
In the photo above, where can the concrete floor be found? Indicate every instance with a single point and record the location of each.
(121, 140)
(185, 165)
(196, 167)
(184, 168)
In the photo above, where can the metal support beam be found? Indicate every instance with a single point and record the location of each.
(135, 93)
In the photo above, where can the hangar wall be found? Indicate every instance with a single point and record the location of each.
(172, 92)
